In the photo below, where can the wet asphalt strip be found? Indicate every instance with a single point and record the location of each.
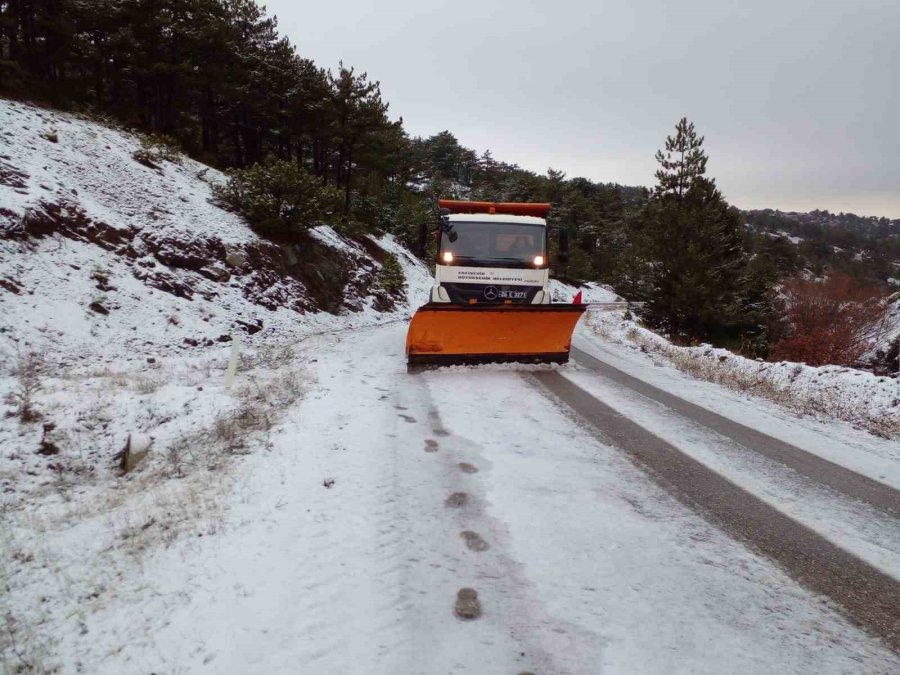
(841, 479)
(868, 596)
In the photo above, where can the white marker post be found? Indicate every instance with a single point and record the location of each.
(232, 360)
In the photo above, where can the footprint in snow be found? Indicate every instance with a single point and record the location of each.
(408, 418)
(456, 500)
(437, 426)
(465, 467)
(467, 605)
(474, 542)
(431, 445)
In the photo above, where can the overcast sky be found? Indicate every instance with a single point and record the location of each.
(799, 100)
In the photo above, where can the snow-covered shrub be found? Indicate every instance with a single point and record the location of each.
(351, 228)
(390, 276)
(887, 361)
(408, 225)
(277, 197)
(832, 321)
(828, 392)
(390, 284)
(28, 382)
(272, 356)
(157, 148)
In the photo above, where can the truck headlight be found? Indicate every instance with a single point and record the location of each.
(448, 257)
(538, 260)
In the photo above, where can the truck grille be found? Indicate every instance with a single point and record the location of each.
(461, 294)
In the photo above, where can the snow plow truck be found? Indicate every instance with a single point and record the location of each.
(491, 297)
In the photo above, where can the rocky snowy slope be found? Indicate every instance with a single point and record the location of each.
(122, 286)
(108, 254)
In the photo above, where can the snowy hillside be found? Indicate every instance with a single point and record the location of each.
(106, 256)
(116, 268)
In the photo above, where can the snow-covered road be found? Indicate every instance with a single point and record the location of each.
(466, 478)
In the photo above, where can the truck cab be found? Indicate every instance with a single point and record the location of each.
(491, 300)
(492, 253)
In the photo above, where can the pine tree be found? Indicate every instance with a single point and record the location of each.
(694, 245)
(359, 114)
(682, 162)
(631, 269)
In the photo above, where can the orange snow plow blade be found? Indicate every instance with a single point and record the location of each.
(454, 334)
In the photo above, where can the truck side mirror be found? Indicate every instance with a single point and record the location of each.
(563, 256)
(447, 228)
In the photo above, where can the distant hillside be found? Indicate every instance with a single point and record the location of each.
(814, 221)
(865, 247)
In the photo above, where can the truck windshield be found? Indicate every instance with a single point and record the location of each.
(495, 242)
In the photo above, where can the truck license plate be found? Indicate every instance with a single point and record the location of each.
(512, 295)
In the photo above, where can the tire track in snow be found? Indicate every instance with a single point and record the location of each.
(651, 586)
(869, 596)
(854, 525)
(837, 477)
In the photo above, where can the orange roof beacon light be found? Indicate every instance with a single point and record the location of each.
(536, 209)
